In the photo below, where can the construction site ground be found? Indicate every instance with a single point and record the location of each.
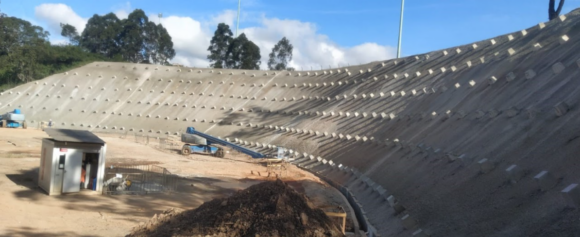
(29, 211)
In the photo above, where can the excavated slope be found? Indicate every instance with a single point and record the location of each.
(414, 129)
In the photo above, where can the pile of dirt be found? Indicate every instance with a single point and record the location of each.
(266, 209)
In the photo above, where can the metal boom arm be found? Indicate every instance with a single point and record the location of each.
(212, 139)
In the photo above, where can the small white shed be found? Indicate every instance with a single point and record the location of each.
(71, 161)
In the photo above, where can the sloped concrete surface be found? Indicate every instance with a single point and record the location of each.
(414, 128)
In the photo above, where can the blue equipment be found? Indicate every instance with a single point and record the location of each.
(14, 119)
(201, 143)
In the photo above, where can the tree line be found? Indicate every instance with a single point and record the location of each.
(225, 51)
(26, 53)
(135, 39)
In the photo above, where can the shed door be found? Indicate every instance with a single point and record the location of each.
(72, 172)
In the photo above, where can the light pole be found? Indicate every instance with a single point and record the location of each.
(238, 22)
(400, 29)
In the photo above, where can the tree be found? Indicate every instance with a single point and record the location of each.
(101, 35)
(158, 44)
(26, 54)
(135, 39)
(132, 37)
(70, 32)
(250, 57)
(281, 55)
(219, 46)
(554, 13)
(243, 54)
(21, 46)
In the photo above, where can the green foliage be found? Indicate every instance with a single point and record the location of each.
(101, 34)
(135, 39)
(228, 52)
(251, 56)
(219, 46)
(26, 54)
(71, 33)
(159, 45)
(281, 55)
(243, 54)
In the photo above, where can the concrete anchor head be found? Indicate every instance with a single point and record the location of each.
(492, 80)
(545, 180)
(563, 39)
(493, 113)
(530, 74)
(561, 108)
(472, 83)
(510, 76)
(512, 112)
(558, 68)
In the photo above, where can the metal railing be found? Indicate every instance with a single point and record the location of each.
(138, 179)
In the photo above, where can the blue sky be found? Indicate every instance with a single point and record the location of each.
(350, 27)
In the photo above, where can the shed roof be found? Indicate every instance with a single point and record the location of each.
(70, 135)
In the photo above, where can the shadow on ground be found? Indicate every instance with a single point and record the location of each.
(190, 193)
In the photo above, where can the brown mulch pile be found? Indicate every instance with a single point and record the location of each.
(266, 209)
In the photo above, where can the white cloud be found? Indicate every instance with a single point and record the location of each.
(122, 10)
(227, 16)
(121, 14)
(55, 13)
(311, 49)
(191, 38)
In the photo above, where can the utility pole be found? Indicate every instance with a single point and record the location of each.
(238, 22)
(160, 15)
(401, 29)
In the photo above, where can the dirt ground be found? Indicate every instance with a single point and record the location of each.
(28, 211)
(271, 208)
